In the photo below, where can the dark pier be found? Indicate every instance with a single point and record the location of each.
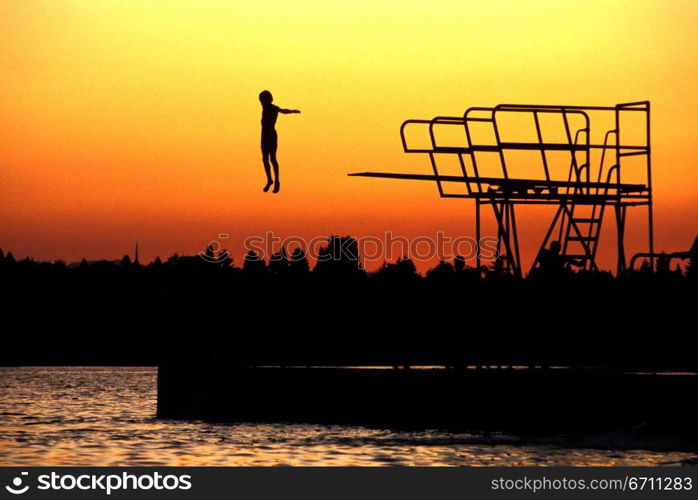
(629, 409)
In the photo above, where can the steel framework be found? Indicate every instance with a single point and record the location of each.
(576, 158)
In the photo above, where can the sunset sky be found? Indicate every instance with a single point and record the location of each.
(138, 121)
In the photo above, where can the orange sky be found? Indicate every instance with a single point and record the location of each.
(127, 121)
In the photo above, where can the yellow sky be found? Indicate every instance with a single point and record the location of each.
(128, 121)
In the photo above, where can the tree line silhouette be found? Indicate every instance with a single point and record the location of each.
(284, 310)
(340, 259)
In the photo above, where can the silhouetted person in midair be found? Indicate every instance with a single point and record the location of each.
(269, 139)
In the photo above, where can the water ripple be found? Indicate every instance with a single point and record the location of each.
(105, 416)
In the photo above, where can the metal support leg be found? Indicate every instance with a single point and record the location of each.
(477, 236)
(620, 226)
(503, 235)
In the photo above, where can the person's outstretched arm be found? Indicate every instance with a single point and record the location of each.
(288, 111)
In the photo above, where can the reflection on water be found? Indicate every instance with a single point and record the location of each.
(105, 416)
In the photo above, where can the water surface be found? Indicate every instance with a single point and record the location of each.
(106, 416)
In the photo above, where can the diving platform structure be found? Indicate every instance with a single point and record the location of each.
(582, 160)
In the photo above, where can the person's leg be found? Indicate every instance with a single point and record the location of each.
(267, 169)
(275, 164)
